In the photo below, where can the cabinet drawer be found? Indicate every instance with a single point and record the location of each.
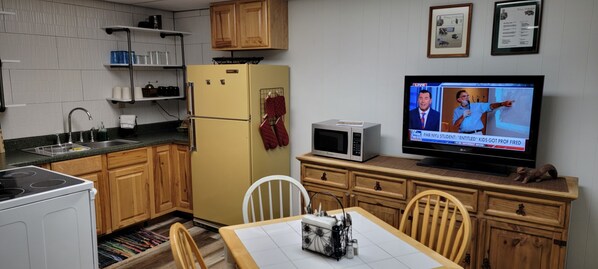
(322, 175)
(525, 208)
(379, 185)
(467, 196)
(80, 166)
(124, 158)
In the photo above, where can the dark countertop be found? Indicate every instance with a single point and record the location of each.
(14, 158)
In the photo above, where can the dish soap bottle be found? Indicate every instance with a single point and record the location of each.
(102, 132)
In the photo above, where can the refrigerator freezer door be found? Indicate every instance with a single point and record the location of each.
(221, 169)
(220, 91)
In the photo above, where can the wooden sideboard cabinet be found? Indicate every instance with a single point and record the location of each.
(514, 225)
(249, 24)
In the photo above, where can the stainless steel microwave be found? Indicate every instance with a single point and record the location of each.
(355, 141)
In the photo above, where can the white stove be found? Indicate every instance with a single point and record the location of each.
(47, 220)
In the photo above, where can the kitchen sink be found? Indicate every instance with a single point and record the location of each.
(108, 143)
(53, 150)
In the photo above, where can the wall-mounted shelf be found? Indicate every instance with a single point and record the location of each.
(141, 66)
(7, 13)
(163, 33)
(159, 98)
(112, 28)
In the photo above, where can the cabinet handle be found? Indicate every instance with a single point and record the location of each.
(208, 82)
(486, 263)
(521, 210)
(377, 187)
(222, 82)
(323, 177)
(467, 259)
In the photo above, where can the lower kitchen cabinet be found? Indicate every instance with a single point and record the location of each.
(387, 210)
(135, 185)
(92, 169)
(514, 246)
(182, 179)
(162, 200)
(129, 176)
(326, 199)
(513, 226)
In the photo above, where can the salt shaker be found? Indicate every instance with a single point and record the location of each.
(350, 251)
(354, 246)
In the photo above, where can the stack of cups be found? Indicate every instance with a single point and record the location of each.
(138, 93)
(117, 93)
(126, 93)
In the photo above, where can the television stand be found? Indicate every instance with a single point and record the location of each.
(483, 168)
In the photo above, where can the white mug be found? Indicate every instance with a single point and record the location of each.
(126, 95)
(138, 93)
(117, 93)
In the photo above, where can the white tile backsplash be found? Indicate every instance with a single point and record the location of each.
(63, 49)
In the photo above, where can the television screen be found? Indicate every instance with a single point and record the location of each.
(473, 119)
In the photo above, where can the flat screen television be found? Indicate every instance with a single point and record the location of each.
(484, 123)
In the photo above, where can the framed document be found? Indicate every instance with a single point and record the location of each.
(516, 28)
(448, 31)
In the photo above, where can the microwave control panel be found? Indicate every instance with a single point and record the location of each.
(356, 144)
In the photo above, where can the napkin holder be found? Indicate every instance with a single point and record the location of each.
(326, 235)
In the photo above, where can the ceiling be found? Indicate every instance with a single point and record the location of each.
(170, 5)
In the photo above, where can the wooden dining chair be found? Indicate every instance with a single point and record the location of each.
(270, 193)
(435, 216)
(185, 251)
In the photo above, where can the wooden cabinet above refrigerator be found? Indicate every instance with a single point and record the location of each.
(249, 25)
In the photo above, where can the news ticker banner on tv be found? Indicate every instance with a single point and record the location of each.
(473, 140)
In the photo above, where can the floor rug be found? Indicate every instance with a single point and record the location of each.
(120, 247)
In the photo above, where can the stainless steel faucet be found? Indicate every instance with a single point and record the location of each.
(70, 128)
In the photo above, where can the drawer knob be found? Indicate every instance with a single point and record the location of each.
(377, 187)
(521, 210)
(323, 177)
(208, 82)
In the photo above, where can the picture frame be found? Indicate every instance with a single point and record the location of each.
(516, 27)
(449, 29)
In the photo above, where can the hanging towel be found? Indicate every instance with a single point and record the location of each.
(128, 121)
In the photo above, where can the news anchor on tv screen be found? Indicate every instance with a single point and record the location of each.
(423, 117)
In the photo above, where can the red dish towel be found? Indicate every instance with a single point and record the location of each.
(268, 136)
(281, 132)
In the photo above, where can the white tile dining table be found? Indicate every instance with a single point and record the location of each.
(277, 244)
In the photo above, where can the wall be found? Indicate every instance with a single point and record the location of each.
(348, 59)
(62, 52)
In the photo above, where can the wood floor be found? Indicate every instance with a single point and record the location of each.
(210, 245)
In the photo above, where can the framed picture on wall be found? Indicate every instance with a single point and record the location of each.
(448, 31)
(516, 28)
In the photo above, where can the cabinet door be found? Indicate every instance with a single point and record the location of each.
(253, 23)
(389, 211)
(129, 194)
(520, 247)
(162, 189)
(328, 202)
(224, 26)
(182, 179)
(90, 168)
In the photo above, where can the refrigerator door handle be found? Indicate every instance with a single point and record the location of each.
(192, 144)
(190, 100)
(191, 116)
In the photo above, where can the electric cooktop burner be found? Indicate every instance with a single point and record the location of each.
(29, 180)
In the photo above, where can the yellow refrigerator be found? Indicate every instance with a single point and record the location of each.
(226, 108)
